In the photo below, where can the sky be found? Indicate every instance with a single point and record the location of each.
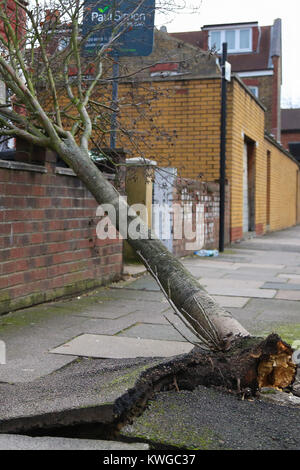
(263, 11)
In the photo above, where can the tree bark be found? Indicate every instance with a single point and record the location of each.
(215, 325)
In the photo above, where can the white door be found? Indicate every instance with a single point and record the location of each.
(162, 220)
(245, 190)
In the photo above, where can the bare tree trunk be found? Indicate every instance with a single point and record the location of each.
(217, 327)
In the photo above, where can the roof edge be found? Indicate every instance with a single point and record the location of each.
(224, 25)
(279, 146)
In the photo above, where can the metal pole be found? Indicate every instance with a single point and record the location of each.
(115, 86)
(223, 151)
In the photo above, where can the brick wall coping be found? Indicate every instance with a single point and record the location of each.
(140, 161)
(11, 165)
(64, 171)
(59, 170)
(22, 166)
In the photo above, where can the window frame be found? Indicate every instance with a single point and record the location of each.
(237, 39)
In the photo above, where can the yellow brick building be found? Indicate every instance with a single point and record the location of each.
(263, 177)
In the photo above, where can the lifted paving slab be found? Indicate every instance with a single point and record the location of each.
(85, 389)
(118, 347)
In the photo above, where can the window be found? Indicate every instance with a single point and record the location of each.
(238, 40)
(215, 40)
(254, 90)
(244, 38)
(63, 43)
(230, 39)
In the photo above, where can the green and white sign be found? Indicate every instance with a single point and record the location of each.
(134, 19)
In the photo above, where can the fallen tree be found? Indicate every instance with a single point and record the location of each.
(31, 57)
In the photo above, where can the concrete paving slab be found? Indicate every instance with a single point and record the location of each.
(160, 332)
(123, 292)
(27, 343)
(105, 326)
(145, 282)
(117, 309)
(156, 318)
(231, 283)
(134, 269)
(18, 442)
(212, 263)
(261, 318)
(117, 347)
(294, 281)
(241, 292)
(255, 275)
(30, 367)
(259, 266)
(113, 327)
(290, 277)
(228, 302)
(111, 310)
(278, 240)
(262, 274)
(274, 309)
(208, 272)
(275, 258)
(288, 294)
(290, 270)
(233, 257)
(261, 245)
(31, 333)
(281, 285)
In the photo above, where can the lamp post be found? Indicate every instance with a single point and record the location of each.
(225, 77)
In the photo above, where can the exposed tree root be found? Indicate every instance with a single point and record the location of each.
(250, 364)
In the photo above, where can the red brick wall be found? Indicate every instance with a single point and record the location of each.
(236, 233)
(208, 195)
(251, 81)
(48, 243)
(255, 37)
(287, 137)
